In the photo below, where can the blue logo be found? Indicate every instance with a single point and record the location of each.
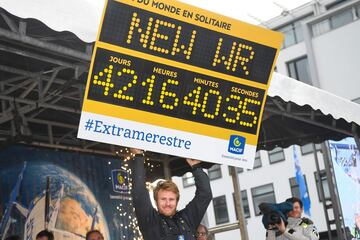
(236, 144)
(120, 181)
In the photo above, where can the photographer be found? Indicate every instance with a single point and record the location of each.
(283, 221)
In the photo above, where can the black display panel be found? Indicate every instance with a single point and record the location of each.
(141, 30)
(141, 84)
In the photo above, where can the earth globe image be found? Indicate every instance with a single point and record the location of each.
(78, 211)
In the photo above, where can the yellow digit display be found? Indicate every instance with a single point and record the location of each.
(171, 92)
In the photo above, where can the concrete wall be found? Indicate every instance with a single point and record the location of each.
(337, 55)
(337, 59)
(276, 173)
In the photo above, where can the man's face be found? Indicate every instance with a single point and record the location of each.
(166, 203)
(95, 236)
(297, 211)
(201, 233)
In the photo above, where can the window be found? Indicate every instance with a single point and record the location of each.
(341, 19)
(220, 210)
(295, 190)
(261, 194)
(299, 69)
(293, 32)
(238, 170)
(335, 4)
(188, 179)
(308, 148)
(245, 202)
(257, 161)
(324, 183)
(356, 100)
(337, 20)
(320, 27)
(289, 33)
(276, 155)
(214, 172)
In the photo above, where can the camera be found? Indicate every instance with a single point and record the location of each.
(274, 213)
(273, 218)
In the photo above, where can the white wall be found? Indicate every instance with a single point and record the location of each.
(278, 174)
(337, 59)
(337, 55)
(289, 54)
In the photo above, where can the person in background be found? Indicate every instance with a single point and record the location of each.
(45, 235)
(202, 233)
(284, 222)
(94, 235)
(355, 231)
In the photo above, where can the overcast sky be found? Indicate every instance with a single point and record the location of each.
(83, 16)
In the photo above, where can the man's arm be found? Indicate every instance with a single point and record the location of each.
(144, 210)
(196, 208)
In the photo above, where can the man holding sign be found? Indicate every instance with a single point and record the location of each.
(167, 223)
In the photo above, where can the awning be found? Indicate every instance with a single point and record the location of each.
(42, 80)
(297, 113)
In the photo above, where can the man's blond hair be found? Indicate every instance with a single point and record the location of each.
(166, 185)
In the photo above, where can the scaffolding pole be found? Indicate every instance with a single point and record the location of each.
(238, 204)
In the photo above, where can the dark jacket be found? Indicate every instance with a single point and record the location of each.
(155, 226)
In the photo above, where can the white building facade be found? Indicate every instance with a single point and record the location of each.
(321, 48)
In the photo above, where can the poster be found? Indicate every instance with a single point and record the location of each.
(346, 161)
(81, 189)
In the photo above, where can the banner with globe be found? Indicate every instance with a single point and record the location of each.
(67, 193)
(346, 162)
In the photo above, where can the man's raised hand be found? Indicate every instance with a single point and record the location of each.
(192, 162)
(136, 151)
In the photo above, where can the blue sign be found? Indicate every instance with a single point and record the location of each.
(236, 144)
(120, 180)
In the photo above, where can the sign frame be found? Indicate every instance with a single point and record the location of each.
(111, 116)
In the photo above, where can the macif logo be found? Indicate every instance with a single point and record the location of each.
(236, 144)
(120, 181)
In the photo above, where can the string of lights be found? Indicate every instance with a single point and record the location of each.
(127, 213)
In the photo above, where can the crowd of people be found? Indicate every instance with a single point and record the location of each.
(282, 221)
(202, 233)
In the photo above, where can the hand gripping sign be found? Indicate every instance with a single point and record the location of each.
(172, 78)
